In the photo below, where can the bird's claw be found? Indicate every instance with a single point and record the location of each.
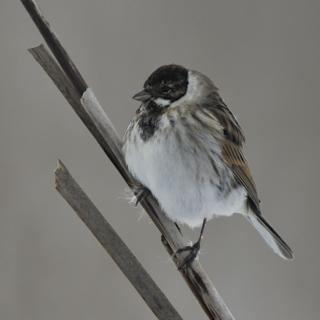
(194, 250)
(141, 193)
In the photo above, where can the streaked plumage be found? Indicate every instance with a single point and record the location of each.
(185, 146)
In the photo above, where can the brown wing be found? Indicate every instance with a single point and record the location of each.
(239, 165)
(232, 147)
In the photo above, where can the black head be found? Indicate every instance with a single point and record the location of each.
(169, 82)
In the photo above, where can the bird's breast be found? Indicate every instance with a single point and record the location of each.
(181, 162)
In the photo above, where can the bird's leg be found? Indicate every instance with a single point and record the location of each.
(178, 228)
(194, 250)
(141, 192)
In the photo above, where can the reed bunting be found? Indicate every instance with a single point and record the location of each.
(185, 146)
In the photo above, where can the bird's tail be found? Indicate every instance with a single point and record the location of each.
(270, 236)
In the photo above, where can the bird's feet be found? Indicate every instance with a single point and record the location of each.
(194, 250)
(141, 193)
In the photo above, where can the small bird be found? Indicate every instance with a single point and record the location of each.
(185, 146)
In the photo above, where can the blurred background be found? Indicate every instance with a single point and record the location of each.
(264, 57)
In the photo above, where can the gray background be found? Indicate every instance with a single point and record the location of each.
(263, 55)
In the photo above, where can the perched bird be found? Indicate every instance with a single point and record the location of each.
(185, 146)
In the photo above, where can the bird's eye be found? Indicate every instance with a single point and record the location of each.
(165, 89)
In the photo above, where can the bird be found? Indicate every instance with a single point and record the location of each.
(185, 146)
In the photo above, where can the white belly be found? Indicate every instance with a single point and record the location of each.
(180, 174)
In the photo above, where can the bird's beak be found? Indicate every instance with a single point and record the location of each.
(142, 95)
